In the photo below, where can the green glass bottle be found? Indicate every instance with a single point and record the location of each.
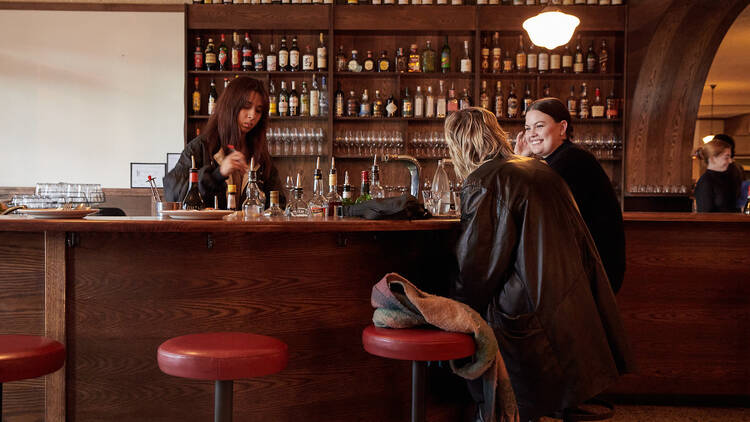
(364, 193)
(428, 59)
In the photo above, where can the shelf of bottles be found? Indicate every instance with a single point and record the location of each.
(416, 2)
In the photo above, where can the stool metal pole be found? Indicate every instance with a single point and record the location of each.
(418, 371)
(223, 396)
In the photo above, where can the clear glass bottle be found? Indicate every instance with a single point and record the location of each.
(272, 60)
(441, 190)
(376, 191)
(526, 101)
(572, 102)
(314, 98)
(308, 60)
(429, 103)
(418, 107)
(365, 108)
(499, 101)
(273, 100)
(298, 206)
(353, 64)
(584, 111)
(428, 58)
(283, 61)
(377, 105)
(317, 205)
(273, 210)
(452, 102)
(465, 100)
(323, 97)
(441, 104)
(484, 98)
(321, 55)
(466, 59)
(497, 56)
(255, 199)
(333, 199)
(304, 101)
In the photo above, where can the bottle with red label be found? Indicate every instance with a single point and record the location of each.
(236, 51)
(198, 55)
(223, 55)
(248, 58)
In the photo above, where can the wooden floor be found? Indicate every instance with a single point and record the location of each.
(633, 413)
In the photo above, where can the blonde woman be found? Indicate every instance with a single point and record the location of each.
(716, 190)
(528, 264)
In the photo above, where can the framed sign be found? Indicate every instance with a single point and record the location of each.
(139, 173)
(172, 159)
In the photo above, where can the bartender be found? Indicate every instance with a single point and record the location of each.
(235, 133)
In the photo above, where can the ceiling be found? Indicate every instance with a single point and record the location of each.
(729, 72)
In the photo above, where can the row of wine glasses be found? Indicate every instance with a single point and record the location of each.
(295, 141)
(364, 143)
(600, 144)
(428, 144)
(650, 188)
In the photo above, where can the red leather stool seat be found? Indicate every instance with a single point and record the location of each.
(222, 356)
(417, 344)
(23, 357)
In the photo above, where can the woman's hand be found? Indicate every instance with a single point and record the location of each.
(233, 162)
(522, 145)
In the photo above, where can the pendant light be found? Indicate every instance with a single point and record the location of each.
(708, 138)
(551, 28)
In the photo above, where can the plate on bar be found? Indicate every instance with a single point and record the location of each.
(197, 214)
(57, 212)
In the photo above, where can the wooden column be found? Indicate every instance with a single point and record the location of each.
(54, 318)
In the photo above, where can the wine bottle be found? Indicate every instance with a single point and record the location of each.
(364, 193)
(346, 196)
(193, 199)
(333, 199)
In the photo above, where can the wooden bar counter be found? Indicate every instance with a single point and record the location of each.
(114, 288)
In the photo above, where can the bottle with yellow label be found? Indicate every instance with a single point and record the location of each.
(197, 98)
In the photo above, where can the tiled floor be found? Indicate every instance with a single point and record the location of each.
(630, 413)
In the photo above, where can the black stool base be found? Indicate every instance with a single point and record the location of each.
(418, 374)
(223, 398)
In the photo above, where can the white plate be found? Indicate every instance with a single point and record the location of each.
(57, 213)
(197, 215)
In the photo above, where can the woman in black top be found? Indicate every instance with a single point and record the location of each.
(548, 132)
(235, 132)
(716, 190)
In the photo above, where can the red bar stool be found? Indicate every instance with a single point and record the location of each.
(223, 358)
(418, 345)
(23, 357)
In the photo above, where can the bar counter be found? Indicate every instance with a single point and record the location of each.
(113, 288)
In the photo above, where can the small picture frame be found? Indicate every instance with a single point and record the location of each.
(139, 173)
(172, 159)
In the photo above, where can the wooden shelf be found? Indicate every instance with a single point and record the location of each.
(391, 19)
(270, 17)
(252, 73)
(300, 118)
(388, 119)
(593, 18)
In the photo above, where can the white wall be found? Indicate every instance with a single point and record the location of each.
(84, 94)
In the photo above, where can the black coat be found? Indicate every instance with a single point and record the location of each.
(210, 181)
(716, 191)
(528, 264)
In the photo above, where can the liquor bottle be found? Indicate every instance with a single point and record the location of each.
(532, 59)
(441, 103)
(210, 55)
(604, 57)
(364, 192)
(323, 97)
(414, 59)
(445, 57)
(247, 54)
(369, 64)
(341, 60)
(572, 102)
(197, 98)
(466, 59)
(526, 101)
(429, 103)
(555, 60)
(384, 65)
(294, 59)
(260, 59)
(273, 210)
(255, 199)
(308, 60)
(193, 199)
(298, 206)
(407, 109)
(746, 208)
(273, 100)
(346, 194)
(352, 105)
(567, 60)
(223, 55)
(376, 191)
(293, 101)
(520, 56)
(283, 100)
(499, 101)
(512, 102)
(314, 98)
(365, 107)
(545, 91)
(452, 102)
(507, 62)
(283, 61)
(338, 98)
(198, 55)
(236, 51)
(465, 101)
(583, 103)
(401, 61)
(484, 98)
(318, 205)
(418, 104)
(485, 53)
(377, 105)
(497, 60)
(597, 107)
(212, 97)
(333, 199)
(543, 60)
(391, 108)
(353, 64)
(578, 63)
(613, 111)
(592, 61)
(428, 58)
(321, 55)
(304, 100)
(226, 83)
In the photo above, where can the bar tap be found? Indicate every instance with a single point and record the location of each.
(412, 165)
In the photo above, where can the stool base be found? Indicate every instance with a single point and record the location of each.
(418, 375)
(223, 400)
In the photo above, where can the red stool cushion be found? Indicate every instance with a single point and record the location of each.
(420, 344)
(23, 357)
(222, 356)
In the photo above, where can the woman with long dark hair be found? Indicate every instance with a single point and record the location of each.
(235, 133)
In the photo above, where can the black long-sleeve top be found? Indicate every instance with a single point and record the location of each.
(716, 191)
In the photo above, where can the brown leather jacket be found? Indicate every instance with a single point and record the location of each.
(529, 265)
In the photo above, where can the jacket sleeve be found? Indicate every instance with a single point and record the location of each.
(704, 196)
(176, 181)
(485, 249)
(210, 180)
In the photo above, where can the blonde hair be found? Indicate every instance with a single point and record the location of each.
(474, 137)
(712, 149)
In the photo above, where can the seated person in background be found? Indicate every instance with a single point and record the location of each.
(716, 190)
(528, 265)
(547, 135)
(735, 170)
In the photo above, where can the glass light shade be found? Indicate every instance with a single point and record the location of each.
(551, 29)
(708, 138)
